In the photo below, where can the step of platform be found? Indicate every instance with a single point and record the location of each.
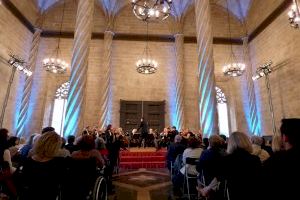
(142, 159)
(138, 165)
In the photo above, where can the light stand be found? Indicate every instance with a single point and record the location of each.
(264, 71)
(16, 63)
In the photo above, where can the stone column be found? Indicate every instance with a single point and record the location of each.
(106, 101)
(179, 53)
(206, 85)
(21, 123)
(79, 65)
(254, 124)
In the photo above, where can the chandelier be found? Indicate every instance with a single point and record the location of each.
(19, 63)
(294, 15)
(146, 65)
(54, 64)
(232, 67)
(151, 9)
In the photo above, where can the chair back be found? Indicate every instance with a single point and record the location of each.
(191, 161)
(80, 178)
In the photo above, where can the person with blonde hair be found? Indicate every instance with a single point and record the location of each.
(277, 143)
(239, 169)
(43, 171)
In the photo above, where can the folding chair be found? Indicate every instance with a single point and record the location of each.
(188, 177)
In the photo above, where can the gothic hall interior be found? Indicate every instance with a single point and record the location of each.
(125, 86)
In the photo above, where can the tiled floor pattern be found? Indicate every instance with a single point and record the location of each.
(142, 184)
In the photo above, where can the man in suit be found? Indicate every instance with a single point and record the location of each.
(144, 132)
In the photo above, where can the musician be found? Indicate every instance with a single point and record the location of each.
(144, 132)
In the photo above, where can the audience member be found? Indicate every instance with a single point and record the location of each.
(24, 151)
(241, 169)
(174, 150)
(70, 145)
(257, 150)
(87, 150)
(63, 152)
(48, 129)
(6, 168)
(210, 159)
(265, 146)
(193, 151)
(282, 169)
(13, 143)
(205, 143)
(277, 143)
(43, 172)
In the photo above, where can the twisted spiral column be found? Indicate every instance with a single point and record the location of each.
(28, 83)
(79, 66)
(106, 100)
(206, 86)
(254, 124)
(179, 53)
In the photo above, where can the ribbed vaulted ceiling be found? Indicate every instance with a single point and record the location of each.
(237, 7)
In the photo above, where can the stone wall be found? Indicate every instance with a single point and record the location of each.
(15, 38)
(280, 43)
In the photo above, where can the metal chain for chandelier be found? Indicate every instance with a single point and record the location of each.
(150, 10)
(232, 67)
(146, 65)
(55, 64)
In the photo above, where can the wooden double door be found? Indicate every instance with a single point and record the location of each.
(132, 111)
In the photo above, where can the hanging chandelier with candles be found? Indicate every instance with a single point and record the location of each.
(146, 65)
(232, 67)
(148, 10)
(294, 14)
(54, 64)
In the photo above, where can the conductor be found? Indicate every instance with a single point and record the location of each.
(144, 132)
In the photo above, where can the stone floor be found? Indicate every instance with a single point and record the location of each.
(142, 184)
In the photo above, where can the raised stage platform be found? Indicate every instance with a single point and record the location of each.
(135, 158)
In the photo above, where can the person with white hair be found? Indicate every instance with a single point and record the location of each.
(257, 150)
(174, 150)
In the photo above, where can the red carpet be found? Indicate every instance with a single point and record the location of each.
(143, 158)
